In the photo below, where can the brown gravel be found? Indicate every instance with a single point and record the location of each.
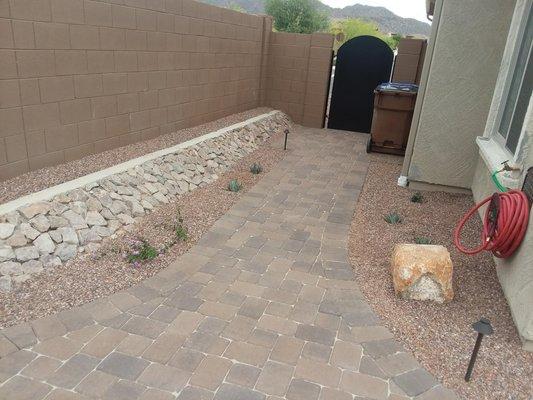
(440, 336)
(43, 178)
(89, 277)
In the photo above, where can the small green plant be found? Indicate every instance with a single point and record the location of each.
(256, 168)
(417, 197)
(422, 240)
(234, 185)
(393, 218)
(181, 233)
(140, 251)
(179, 228)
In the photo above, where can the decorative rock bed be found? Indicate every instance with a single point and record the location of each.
(49, 232)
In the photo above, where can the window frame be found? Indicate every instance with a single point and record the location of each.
(496, 135)
(492, 148)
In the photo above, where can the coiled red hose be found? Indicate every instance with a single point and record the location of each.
(504, 225)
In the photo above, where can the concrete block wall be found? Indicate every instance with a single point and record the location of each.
(83, 76)
(298, 74)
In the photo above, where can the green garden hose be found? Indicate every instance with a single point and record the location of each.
(494, 177)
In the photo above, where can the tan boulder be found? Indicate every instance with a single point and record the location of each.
(422, 272)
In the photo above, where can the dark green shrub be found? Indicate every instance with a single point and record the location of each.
(256, 168)
(417, 197)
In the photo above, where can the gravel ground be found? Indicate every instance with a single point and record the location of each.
(89, 277)
(43, 178)
(440, 336)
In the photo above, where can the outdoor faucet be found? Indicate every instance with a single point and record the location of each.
(507, 167)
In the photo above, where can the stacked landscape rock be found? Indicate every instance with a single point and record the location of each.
(46, 234)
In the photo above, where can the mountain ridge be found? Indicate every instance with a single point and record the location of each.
(387, 21)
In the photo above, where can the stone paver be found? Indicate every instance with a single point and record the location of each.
(263, 307)
(243, 375)
(123, 366)
(302, 390)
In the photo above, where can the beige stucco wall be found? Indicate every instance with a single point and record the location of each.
(459, 100)
(516, 273)
(463, 67)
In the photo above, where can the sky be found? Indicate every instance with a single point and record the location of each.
(404, 8)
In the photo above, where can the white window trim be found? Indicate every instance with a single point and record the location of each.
(509, 78)
(492, 146)
(494, 153)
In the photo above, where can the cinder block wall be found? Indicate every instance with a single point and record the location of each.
(80, 76)
(298, 74)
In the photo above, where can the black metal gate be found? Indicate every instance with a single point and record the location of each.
(362, 64)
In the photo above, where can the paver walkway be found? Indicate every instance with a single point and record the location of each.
(264, 307)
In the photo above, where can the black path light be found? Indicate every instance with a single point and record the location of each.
(286, 136)
(482, 327)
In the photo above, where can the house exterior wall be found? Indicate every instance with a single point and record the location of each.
(83, 76)
(516, 273)
(456, 94)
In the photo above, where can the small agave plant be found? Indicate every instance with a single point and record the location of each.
(422, 240)
(234, 185)
(417, 197)
(256, 168)
(393, 218)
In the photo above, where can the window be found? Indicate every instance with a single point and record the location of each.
(518, 89)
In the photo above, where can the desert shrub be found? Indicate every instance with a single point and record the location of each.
(140, 251)
(297, 16)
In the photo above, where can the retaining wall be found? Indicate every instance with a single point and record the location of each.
(49, 228)
(82, 76)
